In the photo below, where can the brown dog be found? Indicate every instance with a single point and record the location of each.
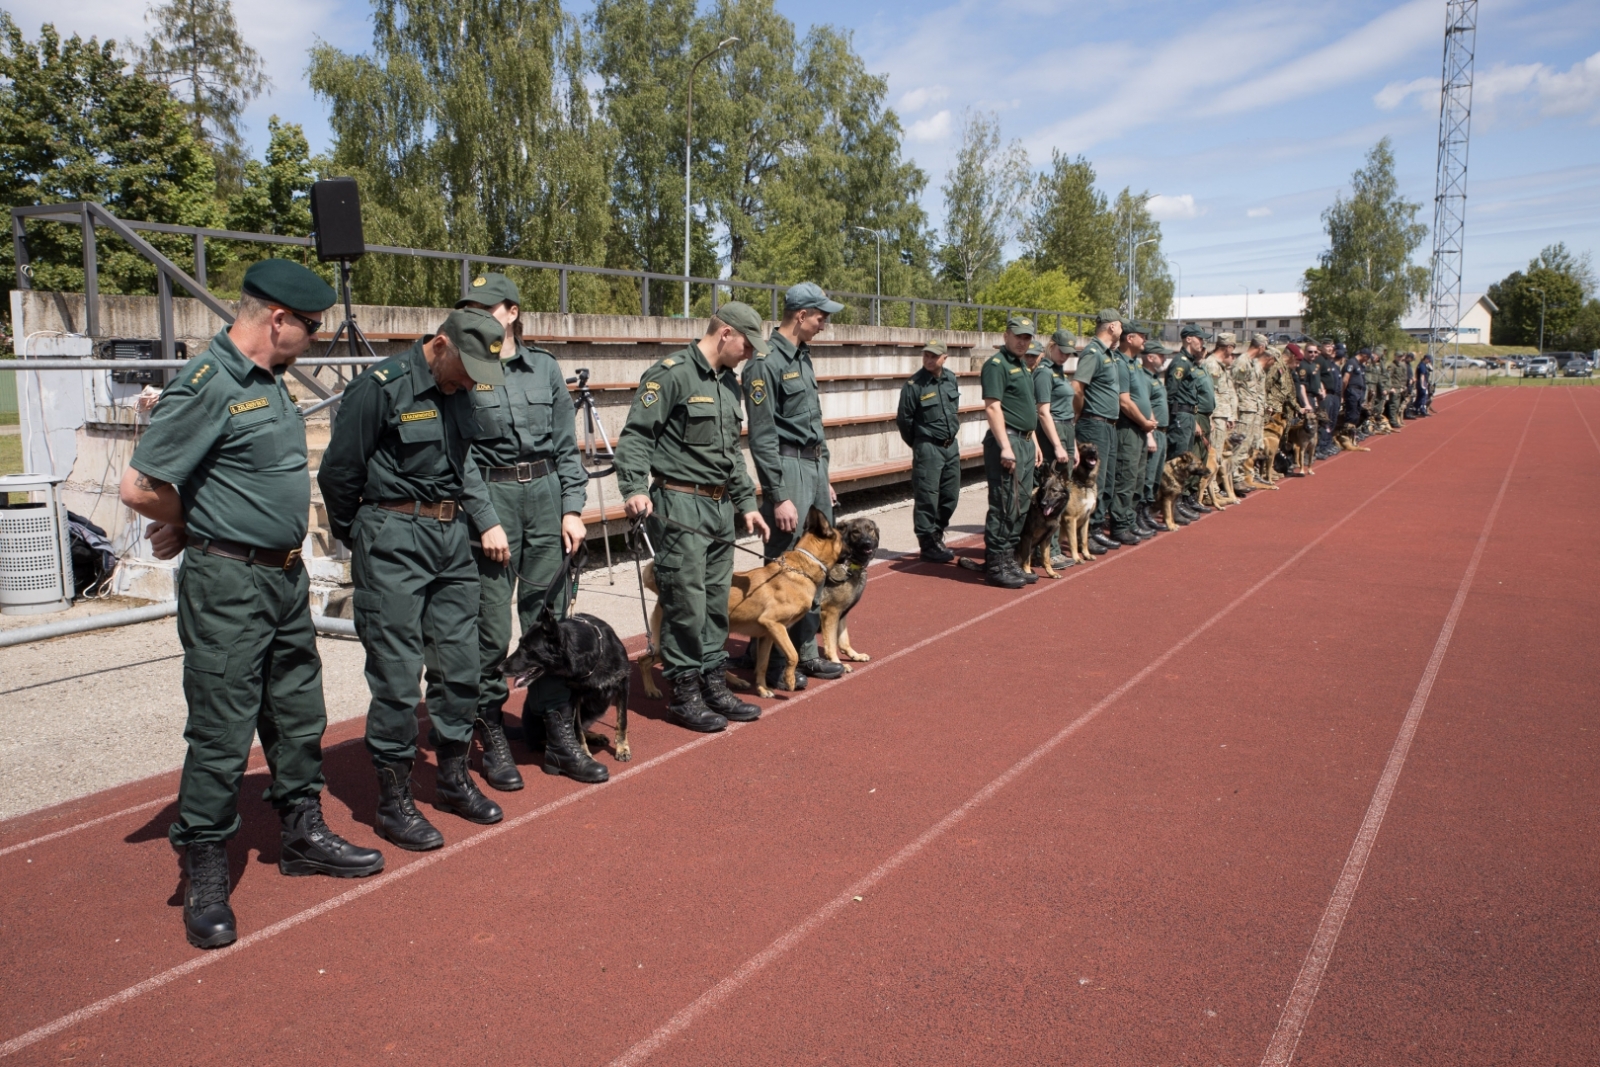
(1175, 475)
(1301, 440)
(847, 580)
(1215, 480)
(1345, 438)
(765, 602)
(1261, 464)
(1044, 515)
(1081, 501)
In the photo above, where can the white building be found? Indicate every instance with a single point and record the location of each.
(1242, 313)
(1477, 316)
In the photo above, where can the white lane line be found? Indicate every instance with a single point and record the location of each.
(1576, 407)
(717, 994)
(166, 977)
(1304, 993)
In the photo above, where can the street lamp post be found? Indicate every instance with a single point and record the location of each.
(1133, 276)
(877, 298)
(1176, 305)
(1534, 289)
(1133, 249)
(688, 155)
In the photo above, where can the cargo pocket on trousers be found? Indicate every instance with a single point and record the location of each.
(206, 660)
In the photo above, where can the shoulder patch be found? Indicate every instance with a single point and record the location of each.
(758, 390)
(994, 359)
(418, 416)
(669, 362)
(248, 405)
(652, 393)
(389, 370)
(201, 373)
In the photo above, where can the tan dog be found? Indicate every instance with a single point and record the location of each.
(1215, 479)
(1301, 440)
(764, 603)
(1345, 438)
(1175, 474)
(847, 581)
(1081, 500)
(1262, 464)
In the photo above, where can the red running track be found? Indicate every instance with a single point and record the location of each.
(1312, 779)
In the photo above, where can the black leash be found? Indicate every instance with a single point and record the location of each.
(713, 537)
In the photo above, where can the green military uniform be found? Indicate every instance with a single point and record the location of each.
(397, 471)
(1160, 411)
(1250, 388)
(1183, 394)
(1225, 399)
(680, 445)
(1059, 387)
(929, 420)
(1131, 446)
(226, 434)
(1398, 379)
(1281, 393)
(1006, 378)
(1097, 423)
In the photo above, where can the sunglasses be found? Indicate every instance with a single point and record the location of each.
(311, 325)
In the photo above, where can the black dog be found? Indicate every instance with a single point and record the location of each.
(584, 653)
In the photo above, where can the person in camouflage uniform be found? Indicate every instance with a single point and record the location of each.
(1219, 367)
(1249, 385)
(1282, 388)
(1399, 381)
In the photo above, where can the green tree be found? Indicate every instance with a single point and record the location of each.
(197, 51)
(77, 124)
(983, 196)
(1584, 333)
(1024, 287)
(1556, 282)
(1138, 234)
(1072, 228)
(1366, 281)
(469, 129)
(276, 195)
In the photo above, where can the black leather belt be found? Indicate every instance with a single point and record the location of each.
(945, 442)
(522, 472)
(1182, 409)
(808, 452)
(1097, 418)
(264, 557)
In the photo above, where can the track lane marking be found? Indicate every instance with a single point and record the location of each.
(717, 994)
(1579, 409)
(1303, 994)
(427, 860)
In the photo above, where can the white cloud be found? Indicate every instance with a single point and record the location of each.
(1509, 88)
(1164, 208)
(1258, 212)
(917, 99)
(933, 128)
(1394, 94)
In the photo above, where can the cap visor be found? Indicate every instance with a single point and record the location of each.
(832, 307)
(484, 372)
(757, 342)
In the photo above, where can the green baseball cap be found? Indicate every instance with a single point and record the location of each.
(1132, 326)
(1064, 339)
(743, 317)
(288, 284)
(1107, 316)
(1036, 349)
(1155, 348)
(1194, 331)
(491, 289)
(478, 336)
(936, 348)
(1021, 325)
(808, 295)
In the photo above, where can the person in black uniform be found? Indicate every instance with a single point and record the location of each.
(1330, 371)
(1353, 384)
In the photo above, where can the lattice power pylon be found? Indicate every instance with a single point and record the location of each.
(1450, 177)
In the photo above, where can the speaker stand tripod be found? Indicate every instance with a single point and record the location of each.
(348, 328)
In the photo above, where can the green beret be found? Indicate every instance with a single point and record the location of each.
(743, 317)
(807, 295)
(936, 348)
(491, 289)
(1020, 324)
(1130, 326)
(478, 336)
(1107, 316)
(1064, 339)
(288, 284)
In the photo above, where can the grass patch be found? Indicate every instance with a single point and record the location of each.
(10, 418)
(10, 453)
(1533, 383)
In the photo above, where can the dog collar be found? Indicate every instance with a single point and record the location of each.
(813, 559)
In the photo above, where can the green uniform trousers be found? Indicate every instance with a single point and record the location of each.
(806, 481)
(1010, 494)
(693, 573)
(935, 488)
(416, 603)
(250, 666)
(1130, 475)
(530, 514)
(1394, 409)
(1103, 435)
(1154, 462)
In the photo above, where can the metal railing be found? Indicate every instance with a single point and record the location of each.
(89, 215)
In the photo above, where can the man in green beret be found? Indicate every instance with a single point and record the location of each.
(526, 452)
(929, 420)
(789, 449)
(1135, 426)
(679, 466)
(221, 473)
(396, 478)
(1099, 391)
(1011, 408)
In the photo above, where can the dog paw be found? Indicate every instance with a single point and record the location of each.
(763, 691)
(736, 682)
(624, 752)
(858, 657)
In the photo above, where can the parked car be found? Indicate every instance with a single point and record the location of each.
(1578, 368)
(1461, 361)
(1539, 367)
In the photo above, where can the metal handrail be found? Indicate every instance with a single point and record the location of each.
(89, 214)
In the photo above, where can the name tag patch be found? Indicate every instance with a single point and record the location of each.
(248, 405)
(484, 387)
(791, 374)
(930, 396)
(701, 400)
(418, 416)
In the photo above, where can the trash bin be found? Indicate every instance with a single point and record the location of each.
(35, 547)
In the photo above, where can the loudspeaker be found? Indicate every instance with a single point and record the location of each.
(336, 219)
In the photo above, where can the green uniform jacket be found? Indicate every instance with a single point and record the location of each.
(1280, 387)
(1097, 371)
(1060, 390)
(930, 408)
(1399, 375)
(684, 425)
(1205, 391)
(398, 436)
(1249, 384)
(780, 391)
(226, 434)
(1006, 378)
(1180, 376)
(1138, 385)
(531, 418)
(1158, 399)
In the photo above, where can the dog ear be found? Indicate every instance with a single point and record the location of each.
(817, 524)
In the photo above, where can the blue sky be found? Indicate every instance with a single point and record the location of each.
(1247, 118)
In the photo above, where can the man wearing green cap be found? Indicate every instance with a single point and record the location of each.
(929, 420)
(1011, 408)
(1135, 425)
(1152, 363)
(527, 454)
(1062, 346)
(1183, 399)
(1097, 404)
(789, 448)
(221, 472)
(679, 466)
(396, 477)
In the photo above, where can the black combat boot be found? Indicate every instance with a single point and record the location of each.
(207, 918)
(934, 551)
(398, 819)
(309, 847)
(499, 765)
(1142, 524)
(454, 790)
(817, 667)
(720, 699)
(564, 753)
(1125, 537)
(688, 707)
(1028, 577)
(1005, 573)
(1192, 502)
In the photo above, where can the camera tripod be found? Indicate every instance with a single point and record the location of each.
(597, 456)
